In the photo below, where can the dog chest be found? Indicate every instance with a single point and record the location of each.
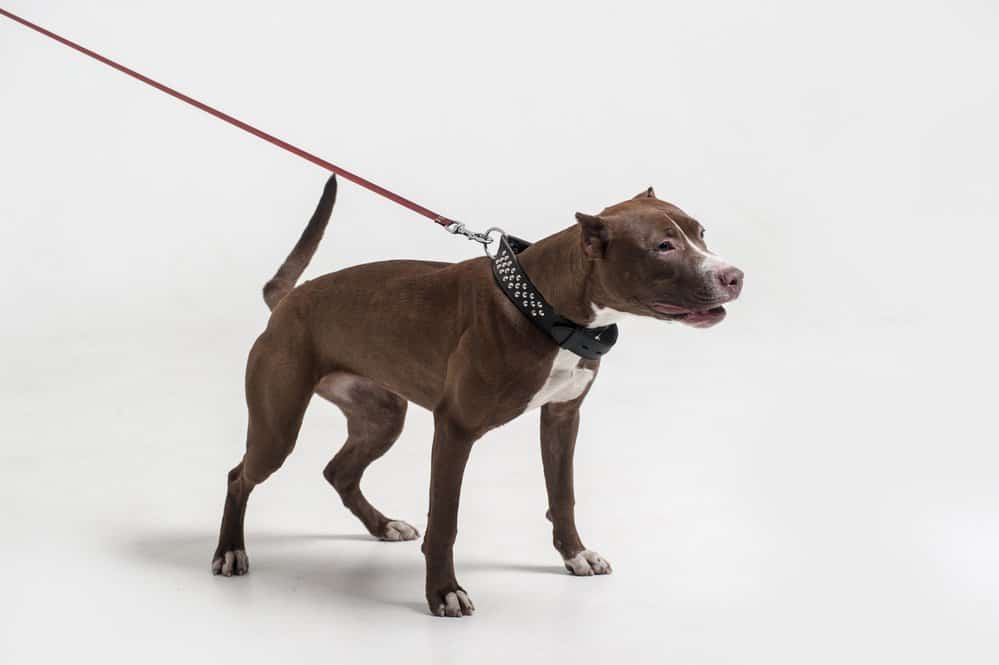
(566, 381)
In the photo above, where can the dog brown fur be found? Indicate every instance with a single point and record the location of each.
(374, 337)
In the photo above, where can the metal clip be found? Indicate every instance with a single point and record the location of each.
(460, 229)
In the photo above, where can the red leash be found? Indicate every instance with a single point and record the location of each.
(453, 226)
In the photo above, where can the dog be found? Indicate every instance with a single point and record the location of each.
(374, 337)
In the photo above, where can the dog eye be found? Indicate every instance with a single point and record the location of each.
(665, 246)
(702, 233)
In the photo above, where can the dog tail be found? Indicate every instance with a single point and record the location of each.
(287, 275)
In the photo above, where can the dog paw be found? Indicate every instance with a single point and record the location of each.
(452, 604)
(231, 562)
(397, 530)
(587, 563)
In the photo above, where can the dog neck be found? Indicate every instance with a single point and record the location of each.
(563, 274)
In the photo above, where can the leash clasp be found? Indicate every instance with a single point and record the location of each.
(483, 238)
(458, 228)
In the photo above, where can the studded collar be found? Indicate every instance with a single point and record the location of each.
(586, 342)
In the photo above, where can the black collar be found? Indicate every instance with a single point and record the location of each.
(513, 281)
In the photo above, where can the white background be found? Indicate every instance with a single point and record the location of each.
(813, 481)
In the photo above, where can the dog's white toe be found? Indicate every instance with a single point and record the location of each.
(398, 530)
(587, 563)
(232, 562)
(456, 604)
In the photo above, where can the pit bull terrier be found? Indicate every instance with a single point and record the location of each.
(374, 337)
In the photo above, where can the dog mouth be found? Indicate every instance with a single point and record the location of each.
(698, 318)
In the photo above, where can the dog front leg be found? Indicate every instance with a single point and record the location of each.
(559, 426)
(452, 444)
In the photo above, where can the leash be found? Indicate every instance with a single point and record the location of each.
(450, 225)
(510, 277)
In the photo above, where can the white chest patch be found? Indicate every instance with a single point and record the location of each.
(565, 381)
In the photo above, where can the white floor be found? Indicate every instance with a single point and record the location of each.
(814, 505)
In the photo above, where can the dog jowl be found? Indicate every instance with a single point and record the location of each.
(375, 337)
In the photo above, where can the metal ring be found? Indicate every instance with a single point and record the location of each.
(488, 232)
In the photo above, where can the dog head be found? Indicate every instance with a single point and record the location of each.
(650, 259)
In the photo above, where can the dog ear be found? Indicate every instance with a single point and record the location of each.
(647, 194)
(594, 234)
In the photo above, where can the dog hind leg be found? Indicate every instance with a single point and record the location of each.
(230, 555)
(375, 417)
(278, 388)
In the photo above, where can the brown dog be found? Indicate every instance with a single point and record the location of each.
(373, 337)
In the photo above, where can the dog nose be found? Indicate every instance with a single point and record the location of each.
(731, 280)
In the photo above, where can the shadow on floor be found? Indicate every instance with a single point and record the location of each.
(355, 568)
